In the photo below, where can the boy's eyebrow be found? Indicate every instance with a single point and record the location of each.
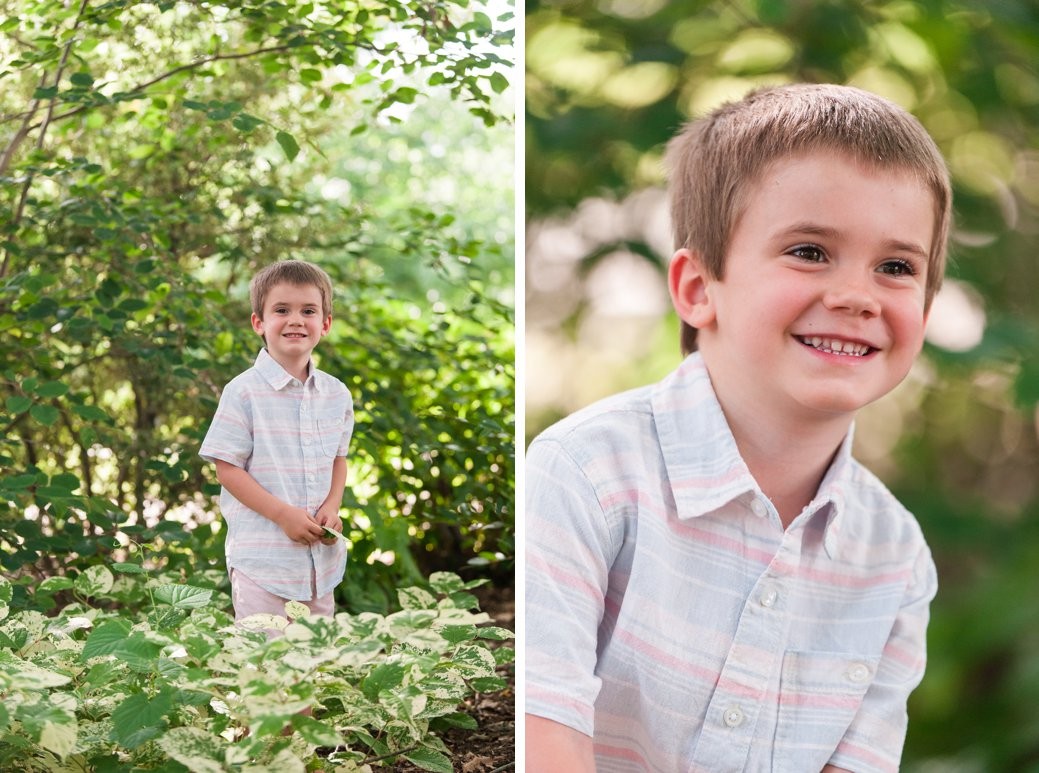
(809, 228)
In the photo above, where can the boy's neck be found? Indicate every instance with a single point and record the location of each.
(298, 368)
(787, 458)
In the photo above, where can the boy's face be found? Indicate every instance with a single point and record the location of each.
(821, 309)
(293, 321)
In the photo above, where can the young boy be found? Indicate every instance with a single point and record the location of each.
(279, 440)
(713, 582)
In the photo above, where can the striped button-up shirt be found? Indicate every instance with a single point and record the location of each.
(672, 618)
(286, 434)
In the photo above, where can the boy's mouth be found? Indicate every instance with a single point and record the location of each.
(839, 346)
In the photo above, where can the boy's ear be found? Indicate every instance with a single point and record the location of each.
(326, 325)
(688, 282)
(257, 324)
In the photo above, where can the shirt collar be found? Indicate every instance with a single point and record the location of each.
(277, 376)
(704, 465)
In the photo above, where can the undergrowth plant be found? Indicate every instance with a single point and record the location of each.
(178, 687)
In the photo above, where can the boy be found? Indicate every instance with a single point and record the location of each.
(713, 582)
(279, 440)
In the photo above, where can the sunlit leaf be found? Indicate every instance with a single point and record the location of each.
(183, 596)
(288, 144)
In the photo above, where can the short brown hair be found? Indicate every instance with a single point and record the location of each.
(713, 162)
(294, 272)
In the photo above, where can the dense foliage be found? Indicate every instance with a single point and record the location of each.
(180, 687)
(152, 157)
(958, 443)
(155, 155)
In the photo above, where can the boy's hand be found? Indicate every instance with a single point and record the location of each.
(299, 526)
(329, 517)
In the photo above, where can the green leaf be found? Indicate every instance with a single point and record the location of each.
(59, 732)
(335, 534)
(458, 720)
(315, 732)
(495, 634)
(6, 591)
(246, 123)
(54, 584)
(134, 304)
(166, 617)
(17, 404)
(140, 718)
(383, 677)
(124, 568)
(415, 598)
(499, 82)
(94, 581)
(196, 749)
(288, 144)
(405, 95)
(183, 596)
(45, 414)
(20, 482)
(458, 633)
(106, 639)
(488, 684)
(18, 674)
(82, 79)
(90, 413)
(430, 759)
(310, 75)
(46, 308)
(65, 481)
(138, 653)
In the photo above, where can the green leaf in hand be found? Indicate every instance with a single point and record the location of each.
(332, 533)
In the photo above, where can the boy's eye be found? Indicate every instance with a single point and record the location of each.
(898, 267)
(808, 252)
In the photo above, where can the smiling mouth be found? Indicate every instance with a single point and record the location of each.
(836, 346)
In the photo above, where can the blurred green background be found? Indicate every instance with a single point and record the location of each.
(609, 81)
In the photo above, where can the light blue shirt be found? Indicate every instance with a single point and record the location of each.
(671, 617)
(286, 434)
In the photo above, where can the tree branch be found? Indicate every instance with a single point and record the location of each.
(140, 87)
(24, 131)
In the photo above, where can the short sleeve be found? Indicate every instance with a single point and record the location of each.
(348, 424)
(230, 435)
(873, 742)
(568, 555)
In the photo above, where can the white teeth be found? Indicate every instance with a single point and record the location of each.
(836, 346)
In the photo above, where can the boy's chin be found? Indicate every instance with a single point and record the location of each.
(835, 404)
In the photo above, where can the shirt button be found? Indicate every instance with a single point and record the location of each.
(769, 598)
(733, 716)
(759, 508)
(858, 673)
(310, 478)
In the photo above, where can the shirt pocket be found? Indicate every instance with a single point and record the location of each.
(330, 432)
(820, 694)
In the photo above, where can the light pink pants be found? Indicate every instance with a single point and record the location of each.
(250, 599)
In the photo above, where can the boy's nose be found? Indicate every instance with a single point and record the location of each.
(853, 296)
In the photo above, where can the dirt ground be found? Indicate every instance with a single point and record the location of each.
(491, 747)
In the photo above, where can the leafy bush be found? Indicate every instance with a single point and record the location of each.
(165, 151)
(178, 687)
